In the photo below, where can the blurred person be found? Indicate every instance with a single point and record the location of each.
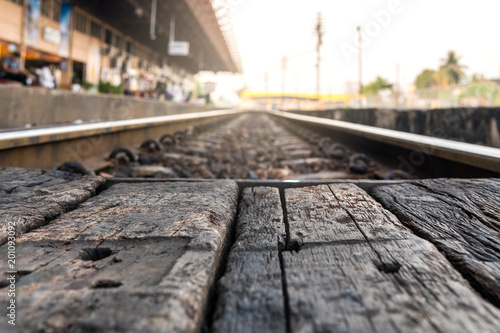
(46, 76)
(126, 87)
(177, 94)
(160, 89)
(168, 96)
(12, 70)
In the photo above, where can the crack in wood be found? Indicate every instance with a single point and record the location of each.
(353, 219)
(288, 247)
(285, 218)
(460, 218)
(251, 291)
(286, 297)
(136, 276)
(389, 268)
(361, 270)
(94, 254)
(213, 296)
(106, 284)
(34, 198)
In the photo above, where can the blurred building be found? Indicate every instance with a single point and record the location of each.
(135, 43)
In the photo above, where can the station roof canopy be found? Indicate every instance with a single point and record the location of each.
(195, 22)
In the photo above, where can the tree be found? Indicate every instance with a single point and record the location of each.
(427, 79)
(374, 87)
(450, 71)
(478, 78)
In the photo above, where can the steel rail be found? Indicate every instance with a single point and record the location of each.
(29, 148)
(13, 139)
(46, 148)
(482, 157)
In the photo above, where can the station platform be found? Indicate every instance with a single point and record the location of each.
(97, 255)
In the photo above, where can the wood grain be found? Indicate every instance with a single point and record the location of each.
(462, 219)
(324, 214)
(250, 295)
(315, 216)
(32, 198)
(343, 288)
(386, 280)
(135, 258)
(260, 223)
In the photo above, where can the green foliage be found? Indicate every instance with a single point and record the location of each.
(427, 79)
(199, 89)
(108, 88)
(117, 90)
(104, 87)
(480, 89)
(451, 72)
(478, 78)
(376, 86)
(87, 85)
(76, 79)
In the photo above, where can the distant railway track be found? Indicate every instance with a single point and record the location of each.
(48, 147)
(425, 155)
(288, 145)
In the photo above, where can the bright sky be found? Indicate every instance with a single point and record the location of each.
(416, 35)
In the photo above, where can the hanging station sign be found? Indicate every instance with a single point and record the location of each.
(176, 48)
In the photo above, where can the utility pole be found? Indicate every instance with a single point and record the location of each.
(360, 61)
(319, 32)
(266, 84)
(397, 88)
(283, 66)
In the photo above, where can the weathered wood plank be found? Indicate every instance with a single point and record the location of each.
(374, 222)
(314, 215)
(260, 223)
(31, 198)
(387, 280)
(135, 258)
(195, 210)
(319, 215)
(250, 296)
(461, 217)
(341, 288)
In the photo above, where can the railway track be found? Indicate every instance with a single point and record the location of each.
(278, 250)
(229, 144)
(251, 146)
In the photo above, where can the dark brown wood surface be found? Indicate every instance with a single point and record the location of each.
(250, 296)
(461, 217)
(145, 257)
(32, 198)
(260, 223)
(360, 270)
(135, 258)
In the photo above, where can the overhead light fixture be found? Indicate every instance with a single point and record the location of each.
(139, 12)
